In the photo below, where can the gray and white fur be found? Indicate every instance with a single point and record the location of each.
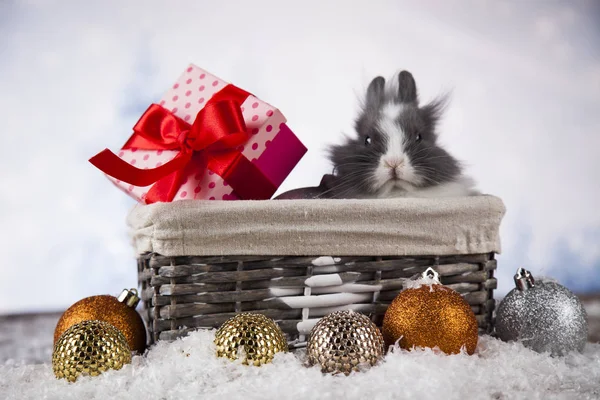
(395, 152)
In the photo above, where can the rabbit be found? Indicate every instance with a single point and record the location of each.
(395, 152)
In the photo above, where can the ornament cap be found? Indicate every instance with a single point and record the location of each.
(523, 279)
(129, 297)
(431, 274)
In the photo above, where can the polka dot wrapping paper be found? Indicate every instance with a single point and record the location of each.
(271, 145)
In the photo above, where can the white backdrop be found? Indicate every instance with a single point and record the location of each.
(75, 77)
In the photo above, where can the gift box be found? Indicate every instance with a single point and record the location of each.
(206, 139)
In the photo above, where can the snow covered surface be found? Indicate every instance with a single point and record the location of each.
(188, 369)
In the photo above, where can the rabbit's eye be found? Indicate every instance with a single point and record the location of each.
(368, 140)
(418, 138)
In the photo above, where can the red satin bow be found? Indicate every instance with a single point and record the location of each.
(211, 141)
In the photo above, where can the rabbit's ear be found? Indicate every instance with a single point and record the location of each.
(432, 112)
(407, 88)
(375, 93)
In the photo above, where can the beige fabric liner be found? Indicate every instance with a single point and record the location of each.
(382, 227)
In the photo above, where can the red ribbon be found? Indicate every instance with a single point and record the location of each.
(210, 142)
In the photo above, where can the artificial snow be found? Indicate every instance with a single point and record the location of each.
(325, 260)
(347, 288)
(323, 280)
(189, 369)
(325, 300)
(422, 280)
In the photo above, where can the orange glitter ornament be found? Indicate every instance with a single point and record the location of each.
(430, 315)
(119, 312)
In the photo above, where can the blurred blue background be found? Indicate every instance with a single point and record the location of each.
(75, 77)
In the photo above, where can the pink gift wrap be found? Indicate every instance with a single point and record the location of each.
(271, 146)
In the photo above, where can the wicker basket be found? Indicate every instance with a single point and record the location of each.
(183, 292)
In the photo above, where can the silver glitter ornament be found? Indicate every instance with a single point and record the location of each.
(344, 341)
(544, 316)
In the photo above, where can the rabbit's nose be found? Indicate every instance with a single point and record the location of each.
(393, 163)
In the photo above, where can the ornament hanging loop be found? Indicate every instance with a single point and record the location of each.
(523, 279)
(431, 274)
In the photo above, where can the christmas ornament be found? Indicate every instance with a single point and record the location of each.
(428, 314)
(89, 348)
(119, 312)
(344, 341)
(252, 337)
(544, 316)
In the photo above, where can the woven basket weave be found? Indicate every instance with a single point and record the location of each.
(182, 293)
(185, 293)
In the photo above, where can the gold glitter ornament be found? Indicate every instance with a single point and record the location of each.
(119, 312)
(250, 336)
(428, 314)
(344, 341)
(89, 348)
